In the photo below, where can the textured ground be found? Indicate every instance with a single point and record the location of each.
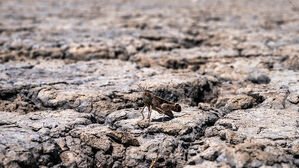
(69, 73)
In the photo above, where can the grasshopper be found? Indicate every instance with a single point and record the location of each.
(162, 106)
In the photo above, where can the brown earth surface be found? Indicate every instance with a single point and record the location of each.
(69, 72)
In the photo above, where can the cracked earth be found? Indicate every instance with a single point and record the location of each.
(69, 72)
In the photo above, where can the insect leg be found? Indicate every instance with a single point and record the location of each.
(142, 112)
(149, 113)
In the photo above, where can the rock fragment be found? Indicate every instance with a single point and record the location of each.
(258, 78)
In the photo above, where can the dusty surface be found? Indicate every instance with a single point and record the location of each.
(69, 73)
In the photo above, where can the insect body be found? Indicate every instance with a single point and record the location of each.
(153, 102)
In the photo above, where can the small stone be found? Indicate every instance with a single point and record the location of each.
(68, 157)
(101, 143)
(175, 64)
(61, 143)
(35, 138)
(102, 160)
(293, 98)
(195, 160)
(49, 147)
(240, 102)
(204, 106)
(258, 78)
(116, 116)
(211, 153)
(234, 138)
(143, 124)
(123, 138)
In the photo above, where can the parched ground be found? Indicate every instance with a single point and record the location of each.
(69, 72)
